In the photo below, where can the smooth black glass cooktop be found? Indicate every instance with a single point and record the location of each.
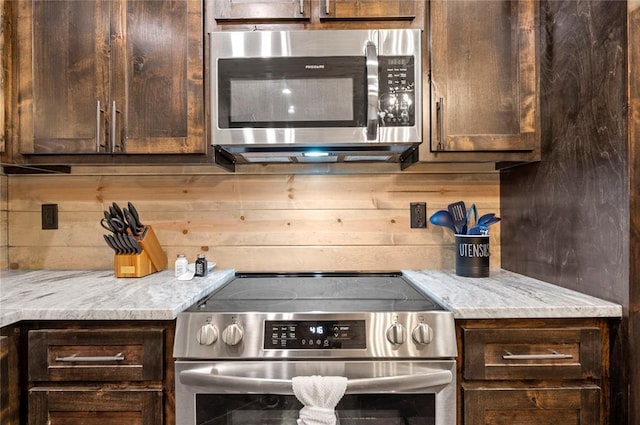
(316, 292)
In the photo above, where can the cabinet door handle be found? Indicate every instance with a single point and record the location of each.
(78, 359)
(552, 356)
(440, 122)
(302, 7)
(327, 8)
(99, 112)
(114, 112)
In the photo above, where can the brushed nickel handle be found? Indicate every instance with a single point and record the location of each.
(113, 126)
(440, 122)
(327, 8)
(302, 7)
(114, 112)
(79, 359)
(99, 112)
(553, 356)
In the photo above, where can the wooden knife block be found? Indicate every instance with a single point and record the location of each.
(150, 260)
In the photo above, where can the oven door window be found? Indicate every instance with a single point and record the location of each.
(376, 409)
(292, 92)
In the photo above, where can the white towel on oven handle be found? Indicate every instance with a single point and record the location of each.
(319, 395)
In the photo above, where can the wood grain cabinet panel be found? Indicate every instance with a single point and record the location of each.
(86, 407)
(484, 76)
(110, 77)
(9, 377)
(530, 372)
(532, 406)
(367, 9)
(95, 355)
(562, 353)
(96, 376)
(263, 10)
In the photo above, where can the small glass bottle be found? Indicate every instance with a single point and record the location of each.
(181, 265)
(201, 265)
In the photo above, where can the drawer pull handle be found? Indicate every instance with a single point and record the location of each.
(553, 356)
(75, 358)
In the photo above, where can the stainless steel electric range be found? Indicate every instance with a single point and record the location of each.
(238, 349)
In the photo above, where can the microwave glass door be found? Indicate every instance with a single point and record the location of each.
(292, 92)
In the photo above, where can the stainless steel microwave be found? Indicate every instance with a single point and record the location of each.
(316, 95)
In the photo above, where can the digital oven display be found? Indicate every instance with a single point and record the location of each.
(314, 334)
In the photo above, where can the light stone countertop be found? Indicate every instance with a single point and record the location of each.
(507, 295)
(99, 295)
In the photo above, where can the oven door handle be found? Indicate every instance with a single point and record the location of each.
(206, 379)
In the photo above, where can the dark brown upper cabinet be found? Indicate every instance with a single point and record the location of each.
(301, 10)
(483, 80)
(110, 77)
(367, 9)
(263, 10)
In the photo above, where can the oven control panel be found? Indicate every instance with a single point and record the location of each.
(314, 334)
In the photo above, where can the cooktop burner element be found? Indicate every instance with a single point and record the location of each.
(327, 293)
(315, 315)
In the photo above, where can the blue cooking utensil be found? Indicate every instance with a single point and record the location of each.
(472, 211)
(458, 212)
(486, 217)
(443, 218)
(489, 222)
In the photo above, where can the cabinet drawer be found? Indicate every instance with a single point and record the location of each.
(549, 353)
(96, 355)
(528, 406)
(105, 407)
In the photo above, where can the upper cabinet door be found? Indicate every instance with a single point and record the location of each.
(63, 78)
(368, 9)
(262, 10)
(157, 77)
(484, 89)
(111, 76)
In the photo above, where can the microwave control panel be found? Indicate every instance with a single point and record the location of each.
(314, 334)
(397, 91)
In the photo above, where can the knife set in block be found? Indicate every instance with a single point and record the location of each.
(150, 260)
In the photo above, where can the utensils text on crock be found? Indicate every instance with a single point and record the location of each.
(443, 218)
(458, 212)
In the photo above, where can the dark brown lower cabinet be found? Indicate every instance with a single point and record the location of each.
(533, 371)
(99, 406)
(532, 406)
(100, 373)
(9, 381)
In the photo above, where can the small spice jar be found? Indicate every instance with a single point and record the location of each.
(201, 265)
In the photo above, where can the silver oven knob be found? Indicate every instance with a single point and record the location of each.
(396, 334)
(232, 334)
(207, 335)
(422, 334)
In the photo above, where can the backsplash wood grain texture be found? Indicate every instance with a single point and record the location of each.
(269, 222)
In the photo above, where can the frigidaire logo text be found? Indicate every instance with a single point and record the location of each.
(314, 66)
(474, 250)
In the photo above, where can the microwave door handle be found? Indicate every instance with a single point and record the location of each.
(373, 87)
(205, 380)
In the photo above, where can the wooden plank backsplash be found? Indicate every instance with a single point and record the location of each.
(281, 222)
